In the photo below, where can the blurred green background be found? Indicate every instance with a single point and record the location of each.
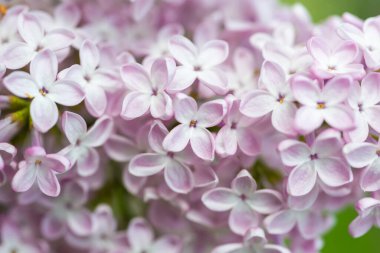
(338, 239)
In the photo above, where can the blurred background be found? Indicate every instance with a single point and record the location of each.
(338, 239)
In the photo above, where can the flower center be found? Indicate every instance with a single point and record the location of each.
(331, 68)
(197, 68)
(193, 123)
(44, 91)
(3, 9)
(321, 105)
(281, 99)
(314, 156)
(38, 162)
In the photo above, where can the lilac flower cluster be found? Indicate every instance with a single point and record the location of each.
(136, 126)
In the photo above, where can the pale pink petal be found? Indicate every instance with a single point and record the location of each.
(67, 13)
(308, 119)
(120, 148)
(247, 142)
(211, 113)
(273, 77)
(226, 141)
(360, 133)
(95, 100)
(359, 155)
(349, 31)
(98, 133)
(370, 88)
(140, 234)
(229, 248)
(56, 163)
(168, 244)
(244, 184)
(304, 202)
(66, 93)
(178, 177)
(48, 182)
(185, 108)
(373, 117)
(161, 73)
(265, 201)
(161, 106)
(132, 183)
(147, 164)
(205, 177)
(333, 172)
(89, 56)
(178, 138)
(328, 143)
(184, 77)
(30, 29)
(370, 180)
(135, 105)
(136, 78)
(52, 227)
(44, 113)
(305, 91)
(183, 50)
(311, 225)
(140, 8)
(157, 135)
(58, 39)
(24, 178)
(336, 90)
(74, 126)
(213, 53)
(21, 84)
(302, 179)
(280, 223)
(80, 222)
(215, 80)
(319, 50)
(88, 162)
(44, 68)
(17, 55)
(366, 205)
(242, 218)
(257, 104)
(220, 199)
(294, 152)
(283, 118)
(361, 225)
(202, 143)
(339, 117)
(345, 53)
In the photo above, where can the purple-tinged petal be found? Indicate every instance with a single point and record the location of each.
(183, 78)
(345, 53)
(333, 172)
(140, 234)
(185, 108)
(273, 77)
(178, 138)
(48, 182)
(44, 68)
(213, 53)
(66, 93)
(215, 80)
(302, 179)
(24, 178)
(370, 88)
(147, 164)
(280, 223)
(132, 183)
(21, 84)
(248, 142)
(167, 244)
(205, 177)
(311, 225)
(58, 39)
(120, 149)
(229, 248)
(183, 50)
(135, 105)
(178, 177)
(95, 100)
(220, 199)
(88, 162)
(283, 118)
(265, 201)
(161, 73)
(136, 78)
(55, 162)
(44, 113)
(319, 50)
(294, 152)
(30, 29)
(17, 55)
(52, 227)
(373, 117)
(74, 126)
(359, 155)
(339, 117)
(308, 119)
(211, 113)
(243, 184)
(157, 134)
(80, 222)
(242, 218)
(305, 91)
(161, 106)
(257, 104)
(99, 132)
(89, 56)
(226, 141)
(370, 180)
(271, 248)
(202, 143)
(361, 225)
(336, 90)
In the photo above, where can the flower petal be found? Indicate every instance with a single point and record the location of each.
(333, 172)
(336, 90)
(370, 88)
(280, 223)
(305, 90)
(178, 177)
(135, 105)
(361, 225)
(89, 56)
(44, 113)
(370, 180)
(17, 55)
(48, 182)
(58, 39)
(147, 164)
(95, 100)
(99, 132)
(24, 178)
(265, 201)
(294, 152)
(136, 78)
(30, 29)
(73, 125)
(88, 162)
(244, 184)
(183, 50)
(80, 222)
(211, 113)
(140, 234)
(21, 84)
(257, 103)
(185, 108)
(44, 68)
(359, 155)
(66, 93)
(213, 53)
(178, 138)
(226, 141)
(168, 244)
(308, 119)
(302, 179)
(339, 117)
(242, 218)
(220, 199)
(202, 143)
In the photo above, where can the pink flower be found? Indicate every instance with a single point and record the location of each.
(7, 153)
(369, 215)
(322, 104)
(334, 61)
(254, 241)
(244, 201)
(141, 239)
(41, 167)
(236, 133)
(19, 54)
(363, 99)
(276, 99)
(44, 90)
(366, 155)
(148, 90)
(193, 126)
(367, 37)
(177, 174)
(320, 161)
(199, 63)
(81, 150)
